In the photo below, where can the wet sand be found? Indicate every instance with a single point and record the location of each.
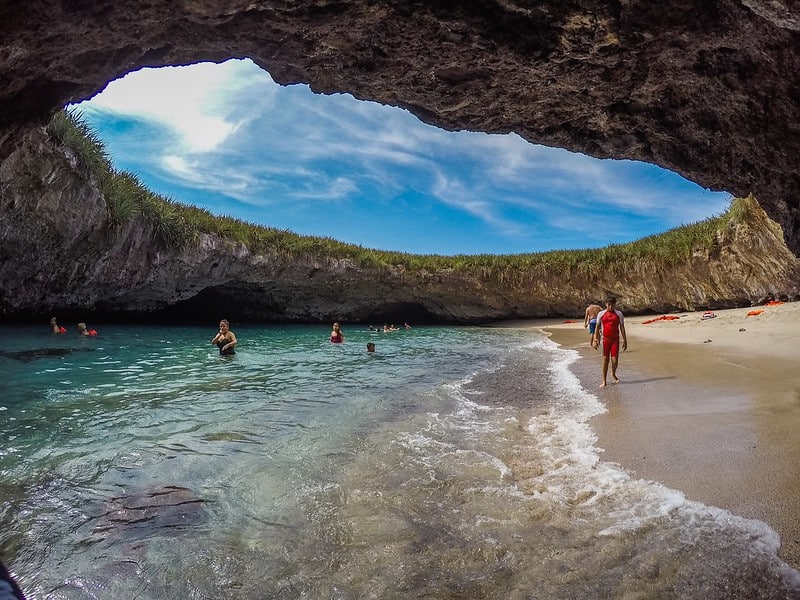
(708, 407)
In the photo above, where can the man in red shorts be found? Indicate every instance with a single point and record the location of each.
(610, 324)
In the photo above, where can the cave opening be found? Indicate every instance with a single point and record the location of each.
(226, 138)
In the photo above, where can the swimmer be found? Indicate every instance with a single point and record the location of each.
(337, 337)
(225, 340)
(55, 328)
(82, 330)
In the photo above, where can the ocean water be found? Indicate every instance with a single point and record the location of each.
(453, 463)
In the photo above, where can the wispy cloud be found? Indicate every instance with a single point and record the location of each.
(452, 192)
(228, 131)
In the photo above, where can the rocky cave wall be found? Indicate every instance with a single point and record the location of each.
(707, 88)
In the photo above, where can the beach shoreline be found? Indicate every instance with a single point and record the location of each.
(709, 407)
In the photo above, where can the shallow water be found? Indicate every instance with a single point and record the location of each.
(451, 463)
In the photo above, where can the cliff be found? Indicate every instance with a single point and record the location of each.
(61, 253)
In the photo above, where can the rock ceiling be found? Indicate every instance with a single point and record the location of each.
(707, 88)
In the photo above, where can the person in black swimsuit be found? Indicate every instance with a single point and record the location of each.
(225, 340)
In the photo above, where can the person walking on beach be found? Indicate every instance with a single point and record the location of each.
(590, 319)
(225, 340)
(611, 324)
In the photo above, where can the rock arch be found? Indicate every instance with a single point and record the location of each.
(709, 89)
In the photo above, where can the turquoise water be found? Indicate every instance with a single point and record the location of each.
(452, 463)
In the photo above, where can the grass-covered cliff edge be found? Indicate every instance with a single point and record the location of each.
(77, 237)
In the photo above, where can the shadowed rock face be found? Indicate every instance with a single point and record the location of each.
(707, 88)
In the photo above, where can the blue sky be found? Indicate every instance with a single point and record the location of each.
(228, 139)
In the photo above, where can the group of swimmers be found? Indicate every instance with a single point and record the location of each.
(337, 337)
(388, 327)
(82, 329)
(226, 340)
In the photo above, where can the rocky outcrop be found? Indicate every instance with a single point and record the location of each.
(59, 253)
(706, 88)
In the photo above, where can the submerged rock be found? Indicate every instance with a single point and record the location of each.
(37, 353)
(144, 511)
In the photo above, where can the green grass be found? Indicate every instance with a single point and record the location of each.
(174, 225)
(70, 130)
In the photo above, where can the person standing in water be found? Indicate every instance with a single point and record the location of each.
(337, 337)
(590, 318)
(611, 323)
(225, 340)
(83, 330)
(54, 327)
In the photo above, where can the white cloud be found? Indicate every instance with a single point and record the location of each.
(177, 164)
(336, 189)
(192, 101)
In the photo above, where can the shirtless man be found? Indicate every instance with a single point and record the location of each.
(590, 319)
(611, 323)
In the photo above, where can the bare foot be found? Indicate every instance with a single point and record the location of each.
(616, 379)
(603, 384)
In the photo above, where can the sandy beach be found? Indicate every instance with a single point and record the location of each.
(708, 407)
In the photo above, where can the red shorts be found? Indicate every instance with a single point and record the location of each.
(611, 346)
